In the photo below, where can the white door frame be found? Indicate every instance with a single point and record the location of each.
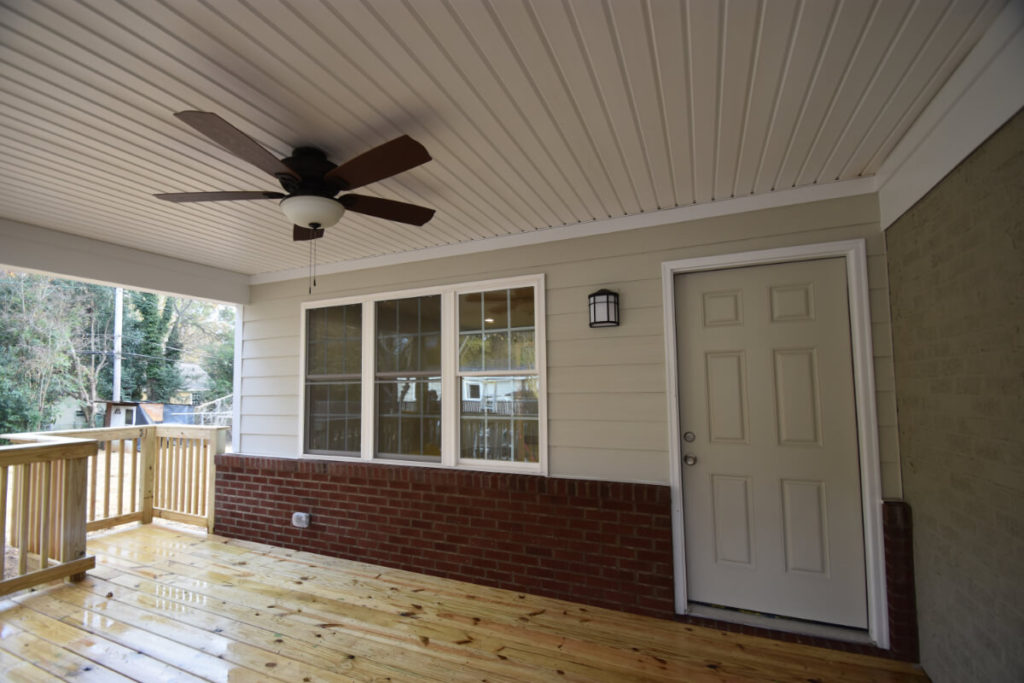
(864, 388)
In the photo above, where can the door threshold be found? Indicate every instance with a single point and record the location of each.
(774, 623)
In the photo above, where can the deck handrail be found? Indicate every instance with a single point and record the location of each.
(139, 472)
(148, 471)
(48, 507)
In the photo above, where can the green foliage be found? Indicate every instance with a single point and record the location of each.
(39, 318)
(56, 341)
(156, 378)
(219, 363)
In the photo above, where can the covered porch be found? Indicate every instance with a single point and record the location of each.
(173, 603)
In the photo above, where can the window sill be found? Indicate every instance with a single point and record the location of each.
(467, 464)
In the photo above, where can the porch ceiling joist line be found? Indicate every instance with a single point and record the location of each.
(538, 115)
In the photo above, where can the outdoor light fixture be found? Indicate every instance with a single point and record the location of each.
(312, 211)
(604, 308)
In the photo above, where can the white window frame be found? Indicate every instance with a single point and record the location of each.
(450, 427)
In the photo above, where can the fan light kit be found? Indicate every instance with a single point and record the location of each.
(312, 211)
(313, 183)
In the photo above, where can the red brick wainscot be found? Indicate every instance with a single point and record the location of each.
(607, 544)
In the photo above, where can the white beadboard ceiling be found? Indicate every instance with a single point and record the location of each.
(538, 113)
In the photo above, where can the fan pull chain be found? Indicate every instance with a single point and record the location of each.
(312, 265)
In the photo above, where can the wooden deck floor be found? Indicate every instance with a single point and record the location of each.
(169, 605)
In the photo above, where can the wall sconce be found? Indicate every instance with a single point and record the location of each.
(604, 308)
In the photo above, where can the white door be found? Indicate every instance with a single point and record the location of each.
(771, 478)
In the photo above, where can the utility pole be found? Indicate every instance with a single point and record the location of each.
(118, 322)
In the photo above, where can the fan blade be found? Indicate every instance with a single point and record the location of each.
(217, 196)
(387, 208)
(235, 141)
(381, 162)
(301, 233)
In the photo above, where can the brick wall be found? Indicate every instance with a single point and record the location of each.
(603, 543)
(956, 277)
(899, 580)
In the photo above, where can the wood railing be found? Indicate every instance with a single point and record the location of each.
(112, 476)
(42, 500)
(183, 473)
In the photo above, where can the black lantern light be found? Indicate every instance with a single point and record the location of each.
(604, 308)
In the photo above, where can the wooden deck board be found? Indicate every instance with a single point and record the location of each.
(167, 604)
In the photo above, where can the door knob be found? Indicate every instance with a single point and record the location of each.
(690, 460)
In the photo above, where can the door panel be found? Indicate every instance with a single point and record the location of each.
(771, 501)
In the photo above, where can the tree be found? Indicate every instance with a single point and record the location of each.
(91, 349)
(155, 376)
(56, 341)
(38, 323)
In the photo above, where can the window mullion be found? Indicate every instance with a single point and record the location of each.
(368, 386)
(449, 381)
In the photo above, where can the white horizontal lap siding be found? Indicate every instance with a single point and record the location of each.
(607, 415)
(270, 379)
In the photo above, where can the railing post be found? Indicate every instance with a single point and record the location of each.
(150, 448)
(73, 524)
(218, 444)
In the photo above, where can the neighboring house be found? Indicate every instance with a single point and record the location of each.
(795, 372)
(195, 383)
(69, 416)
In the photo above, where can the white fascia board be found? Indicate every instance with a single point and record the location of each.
(682, 214)
(31, 248)
(984, 92)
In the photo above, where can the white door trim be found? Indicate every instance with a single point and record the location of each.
(864, 387)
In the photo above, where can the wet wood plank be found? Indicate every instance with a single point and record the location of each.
(163, 602)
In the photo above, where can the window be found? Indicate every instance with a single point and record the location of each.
(409, 378)
(498, 374)
(333, 369)
(447, 377)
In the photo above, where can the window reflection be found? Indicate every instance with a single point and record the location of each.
(496, 330)
(500, 418)
(408, 382)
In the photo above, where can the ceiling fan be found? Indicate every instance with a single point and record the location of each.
(311, 182)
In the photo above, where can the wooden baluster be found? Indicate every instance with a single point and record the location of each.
(165, 471)
(167, 452)
(135, 476)
(182, 497)
(167, 456)
(58, 502)
(94, 465)
(32, 542)
(108, 446)
(186, 494)
(3, 518)
(198, 487)
(201, 476)
(150, 472)
(182, 474)
(120, 477)
(158, 475)
(194, 473)
(179, 484)
(23, 542)
(31, 539)
(172, 472)
(44, 525)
